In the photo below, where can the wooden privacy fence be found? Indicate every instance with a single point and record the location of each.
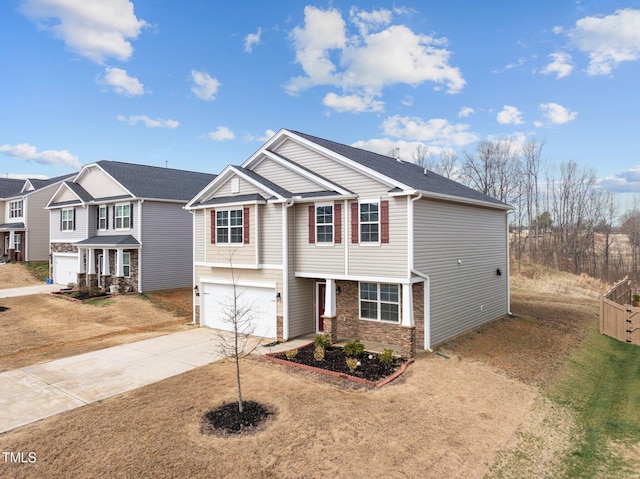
(618, 318)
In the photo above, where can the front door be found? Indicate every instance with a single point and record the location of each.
(322, 289)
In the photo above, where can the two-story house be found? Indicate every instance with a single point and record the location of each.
(24, 224)
(124, 225)
(320, 237)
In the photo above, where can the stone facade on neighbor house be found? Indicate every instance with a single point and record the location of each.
(322, 237)
(123, 226)
(23, 220)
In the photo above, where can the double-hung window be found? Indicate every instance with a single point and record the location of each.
(380, 301)
(15, 209)
(67, 220)
(126, 264)
(102, 218)
(324, 224)
(18, 242)
(123, 217)
(369, 222)
(229, 228)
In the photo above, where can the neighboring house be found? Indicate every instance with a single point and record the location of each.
(124, 225)
(24, 224)
(327, 238)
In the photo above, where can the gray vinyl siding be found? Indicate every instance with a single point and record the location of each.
(313, 257)
(383, 259)
(301, 291)
(167, 249)
(270, 233)
(465, 295)
(37, 222)
(286, 178)
(332, 170)
(59, 236)
(200, 235)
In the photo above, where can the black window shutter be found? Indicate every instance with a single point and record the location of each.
(106, 221)
(114, 216)
(74, 219)
(60, 220)
(131, 215)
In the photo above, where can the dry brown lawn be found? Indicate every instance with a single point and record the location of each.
(476, 414)
(16, 275)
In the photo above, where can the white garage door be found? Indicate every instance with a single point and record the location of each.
(64, 269)
(218, 301)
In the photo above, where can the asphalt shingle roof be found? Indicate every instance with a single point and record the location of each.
(10, 187)
(122, 240)
(145, 181)
(406, 173)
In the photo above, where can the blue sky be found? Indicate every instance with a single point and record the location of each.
(201, 84)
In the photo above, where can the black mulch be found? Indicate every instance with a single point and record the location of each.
(371, 368)
(3, 308)
(227, 419)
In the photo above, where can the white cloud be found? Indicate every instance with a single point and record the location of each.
(26, 152)
(608, 40)
(95, 29)
(352, 103)
(561, 65)
(205, 86)
(251, 40)
(436, 131)
(366, 61)
(222, 133)
(628, 181)
(557, 114)
(465, 111)
(121, 82)
(510, 115)
(268, 134)
(148, 122)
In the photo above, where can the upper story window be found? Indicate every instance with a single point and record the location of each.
(380, 301)
(324, 224)
(123, 217)
(229, 228)
(68, 219)
(369, 222)
(103, 218)
(15, 209)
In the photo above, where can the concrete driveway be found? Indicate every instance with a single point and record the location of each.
(35, 392)
(27, 290)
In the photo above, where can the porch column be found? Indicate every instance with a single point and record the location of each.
(407, 305)
(12, 239)
(81, 253)
(91, 261)
(119, 262)
(105, 262)
(330, 321)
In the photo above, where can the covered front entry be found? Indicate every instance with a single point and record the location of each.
(321, 291)
(259, 302)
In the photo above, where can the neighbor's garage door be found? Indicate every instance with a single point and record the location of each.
(218, 299)
(64, 269)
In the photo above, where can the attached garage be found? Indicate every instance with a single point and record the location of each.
(65, 269)
(217, 301)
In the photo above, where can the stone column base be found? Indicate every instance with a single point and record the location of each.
(92, 280)
(81, 280)
(408, 342)
(12, 254)
(330, 326)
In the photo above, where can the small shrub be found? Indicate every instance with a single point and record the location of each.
(354, 348)
(386, 357)
(322, 341)
(292, 353)
(636, 298)
(352, 363)
(318, 354)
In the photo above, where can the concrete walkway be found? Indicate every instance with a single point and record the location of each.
(27, 290)
(35, 392)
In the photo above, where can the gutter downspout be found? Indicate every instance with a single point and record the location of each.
(506, 217)
(413, 270)
(285, 268)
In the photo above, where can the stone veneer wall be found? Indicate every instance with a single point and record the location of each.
(349, 324)
(63, 248)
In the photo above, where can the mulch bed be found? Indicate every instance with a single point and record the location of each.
(80, 296)
(227, 419)
(2, 309)
(371, 370)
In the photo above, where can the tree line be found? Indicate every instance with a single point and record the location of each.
(561, 219)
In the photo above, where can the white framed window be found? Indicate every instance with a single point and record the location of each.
(369, 212)
(126, 264)
(229, 227)
(67, 221)
(103, 211)
(123, 217)
(380, 302)
(15, 209)
(324, 224)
